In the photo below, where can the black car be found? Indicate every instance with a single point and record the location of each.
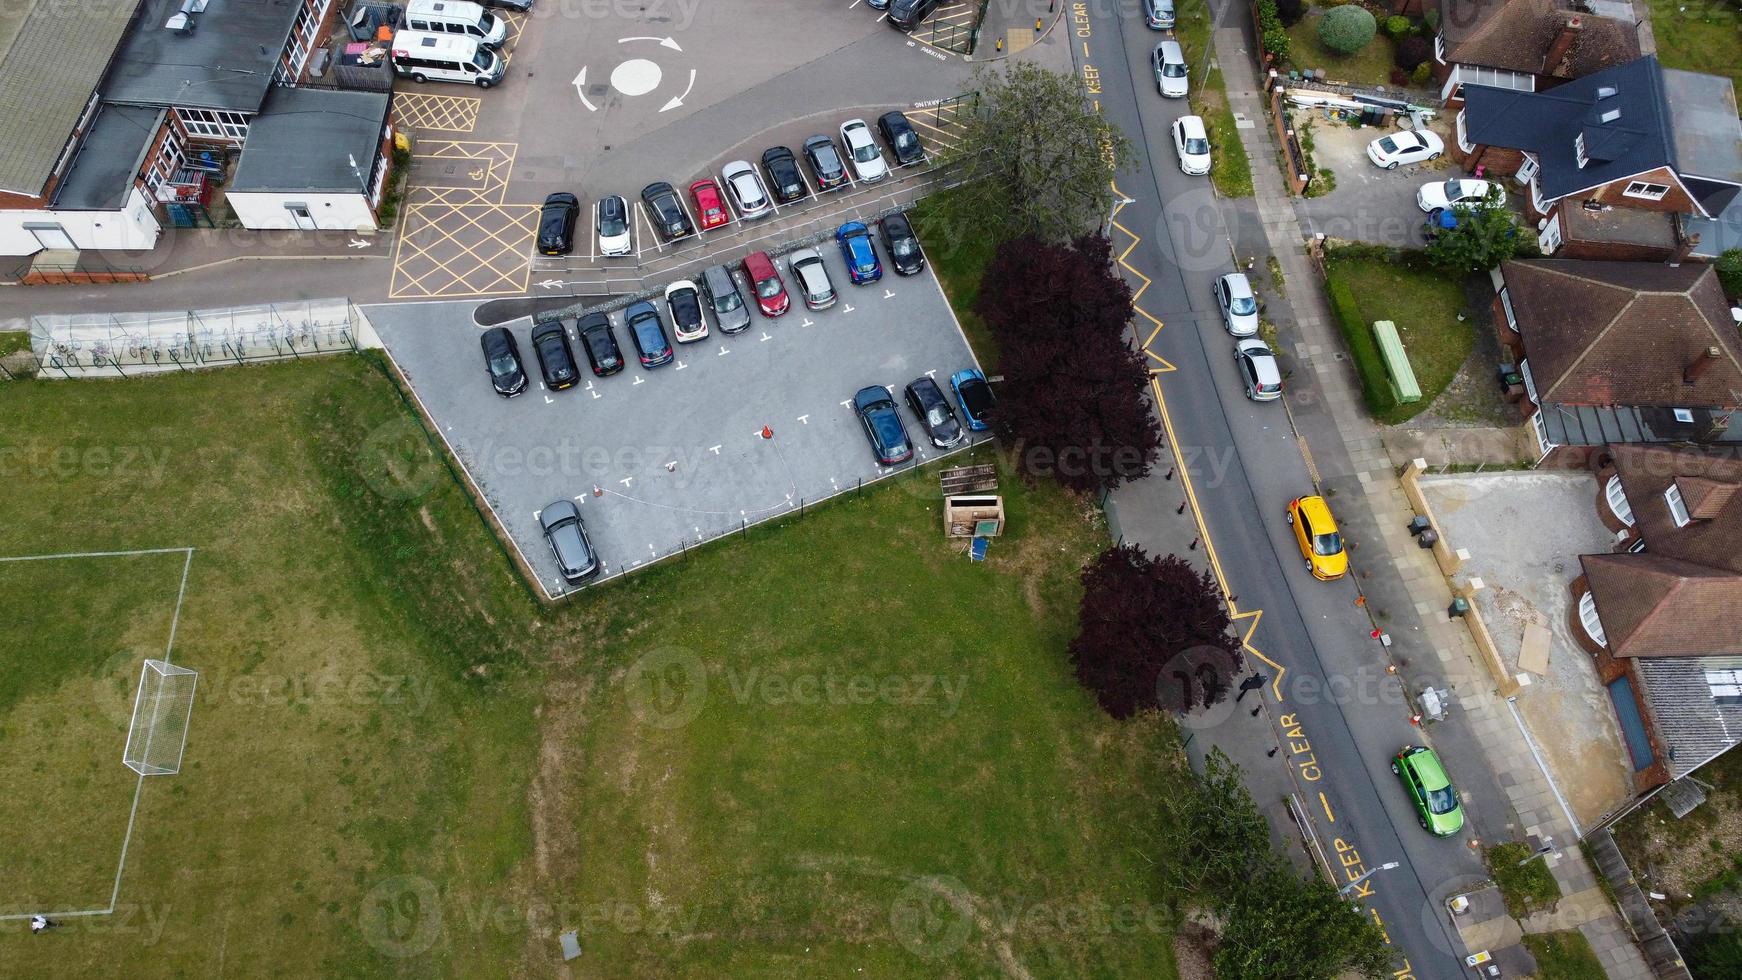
(575, 556)
(783, 175)
(905, 15)
(648, 332)
(933, 410)
(901, 244)
(518, 6)
(502, 360)
(825, 161)
(556, 223)
(888, 437)
(899, 134)
(551, 343)
(668, 213)
(599, 342)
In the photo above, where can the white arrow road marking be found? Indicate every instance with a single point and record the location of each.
(357, 243)
(888, 295)
(847, 309)
(681, 365)
(664, 42)
(638, 380)
(580, 84)
(551, 283)
(807, 322)
(716, 451)
(765, 335)
(625, 480)
(674, 103)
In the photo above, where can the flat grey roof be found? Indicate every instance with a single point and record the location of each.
(52, 55)
(113, 150)
(304, 140)
(225, 63)
(1707, 133)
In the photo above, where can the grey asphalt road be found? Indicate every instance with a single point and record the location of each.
(1337, 721)
(676, 453)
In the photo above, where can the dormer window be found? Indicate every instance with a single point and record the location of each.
(1579, 151)
(1645, 189)
(1678, 511)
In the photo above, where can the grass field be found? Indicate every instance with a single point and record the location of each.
(1422, 302)
(1371, 66)
(830, 747)
(1703, 37)
(1564, 956)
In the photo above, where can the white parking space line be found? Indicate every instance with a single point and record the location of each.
(684, 206)
(643, 219)
(593, 238)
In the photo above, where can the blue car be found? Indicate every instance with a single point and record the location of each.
(648, 332)
(860, 255)
(883, 428)
(975, 395)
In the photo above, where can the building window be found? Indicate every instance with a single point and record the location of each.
(1440, 48)
(214, 124)
(1678, 511)
(1618, 500)
(1506, 305)
(1726, 683)
(1588, 619)
(167, 161)
(1526, 170)
(1645, 189)
(1464, 135)
(1529, 382)
(1579, 151)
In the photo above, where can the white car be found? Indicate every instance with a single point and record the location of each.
(611, 221)
(745, 186)
(1458, 190)
(862, 150)
(1405, 146)
(1238, 305)
(813, 278)
(684, 302)
(1172, 78)
(1192, 144)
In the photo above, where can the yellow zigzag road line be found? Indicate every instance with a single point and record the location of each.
(1138, 293)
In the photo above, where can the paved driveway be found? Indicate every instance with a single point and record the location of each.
(1368, 204)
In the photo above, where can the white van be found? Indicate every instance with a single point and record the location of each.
(461, 17)
(445, 58)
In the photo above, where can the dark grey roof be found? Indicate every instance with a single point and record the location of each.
(304, 140)
(1704, 125)
(109, 156)
(1694, 724)
(52, 55)
(1590, 425)
(225, 63)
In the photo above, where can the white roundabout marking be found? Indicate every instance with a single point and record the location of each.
(637, 76)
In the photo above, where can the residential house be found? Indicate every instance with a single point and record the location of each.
(1613, 162)
(1526, 45)
(1658, 614)
(1620, 352)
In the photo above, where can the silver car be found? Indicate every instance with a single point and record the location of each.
(745, 185)
(1258, 369)
(725, 299)
(1172, 78)
(812, 277)
(1239, 306)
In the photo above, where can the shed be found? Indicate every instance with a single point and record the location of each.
(314, 159)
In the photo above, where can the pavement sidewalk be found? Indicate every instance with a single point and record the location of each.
(1406, 592)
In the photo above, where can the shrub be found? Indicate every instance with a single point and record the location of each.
(1291, 11)
(1430, 20)
(1347, 29)
(1271, 33)
(1730, 272)
(1423, 72)
(1412, 52)
(1363, 349)
(1397, 26)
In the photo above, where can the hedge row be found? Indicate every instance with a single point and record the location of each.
(1358, 334)
(1270, 30)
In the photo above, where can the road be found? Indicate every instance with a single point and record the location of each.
(1336, 716)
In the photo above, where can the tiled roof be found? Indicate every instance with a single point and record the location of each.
(1516, 35)
(1652, 605)
(1707, 485)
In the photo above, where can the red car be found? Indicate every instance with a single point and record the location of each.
(765, 279)
(710, 209)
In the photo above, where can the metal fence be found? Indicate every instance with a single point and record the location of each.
(119, 344)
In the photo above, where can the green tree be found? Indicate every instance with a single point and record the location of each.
(1484, 238)
(1347, 29)
(1219, 835)
(1730, 271)
(1716, 955)
(1281, 926)
(1034, 159)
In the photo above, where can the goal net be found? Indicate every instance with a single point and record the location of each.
(160, 719)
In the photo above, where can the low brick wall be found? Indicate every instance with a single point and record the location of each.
(1294, 164)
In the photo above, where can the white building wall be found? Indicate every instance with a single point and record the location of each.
(133, 228)
(339, 212)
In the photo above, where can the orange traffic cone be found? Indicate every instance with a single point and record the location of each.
(767, 433)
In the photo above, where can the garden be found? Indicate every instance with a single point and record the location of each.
(1347, 43)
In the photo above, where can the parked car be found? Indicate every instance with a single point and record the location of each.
(825, 162)
(575, 556)
(744, 185)
(710, 208)
(902, 139)
(518, 6)
(929, 405)
(612, 225)
(555, 361)
(1238, 305)
(905, 15)
(783, 176)
(666, 210)
(883, 428)
(860, 255)
(867, 159)
(975, 397)
(725, 299)
(1172, 77)
(764, 278)
(685, 303)
(1405, 146)
(1436, 803)
(877, 4)
(599, 343)
(812, 278)
(1315, 531)
(901, 244)
(502, 360)
(556, 223)
(1192, 143)
(1258, 369)
(1158, 14)
(648, 332)
(1457, 191)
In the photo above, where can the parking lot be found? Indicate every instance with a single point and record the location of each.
(668, 458)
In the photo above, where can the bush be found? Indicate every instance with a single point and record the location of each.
(1363, 349)
(1347, 29)
(1412, 52)
(1270, 30)
(1730, 272)
(1291, 11)
(1430, 20)
(1397, 26)
(1423, 72)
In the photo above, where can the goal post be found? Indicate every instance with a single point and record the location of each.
(161, 709)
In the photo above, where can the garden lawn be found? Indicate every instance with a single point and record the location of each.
(1369, 67)
(833, 747)
(1230, 170)
(1564, 956)
(1698, 37)
(959, 266)
(1422, 302)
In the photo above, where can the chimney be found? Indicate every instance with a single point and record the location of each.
(1562, 43)
(1700, 365)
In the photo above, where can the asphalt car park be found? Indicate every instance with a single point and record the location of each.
(736, 429)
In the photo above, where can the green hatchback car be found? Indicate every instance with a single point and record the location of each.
(1436, 803)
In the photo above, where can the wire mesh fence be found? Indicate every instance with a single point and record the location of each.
(111, 344)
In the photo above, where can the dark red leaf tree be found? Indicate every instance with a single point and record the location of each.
(1153, 633)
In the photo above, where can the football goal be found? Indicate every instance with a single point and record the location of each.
(161, 710)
